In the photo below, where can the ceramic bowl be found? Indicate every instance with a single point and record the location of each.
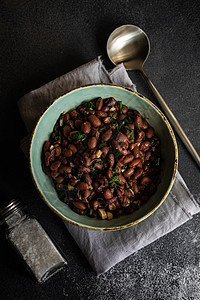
(169, 153)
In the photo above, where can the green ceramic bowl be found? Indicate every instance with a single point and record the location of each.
(133, 100)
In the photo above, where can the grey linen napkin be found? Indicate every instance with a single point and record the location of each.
(105, 249)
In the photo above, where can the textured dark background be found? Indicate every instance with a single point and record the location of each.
(40, 40)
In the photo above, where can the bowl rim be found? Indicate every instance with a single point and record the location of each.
(121, 226)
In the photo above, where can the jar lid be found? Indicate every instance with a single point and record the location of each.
(12, 206)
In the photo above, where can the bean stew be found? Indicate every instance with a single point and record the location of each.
(103, 159)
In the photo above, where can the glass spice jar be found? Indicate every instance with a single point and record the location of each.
(31, 241)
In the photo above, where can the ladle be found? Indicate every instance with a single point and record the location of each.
(128, 44)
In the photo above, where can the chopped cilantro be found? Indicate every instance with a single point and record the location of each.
(78, 136)
(102, 145)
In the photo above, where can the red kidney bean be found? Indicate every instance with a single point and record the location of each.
(98, 166)
(101, 114)
(107, 135)
(149, 132)
(135, 188)
(86, 194)
(145, 146)
(79, 204)
(46, 146)
(124, 109)
(67, 152)
(105, 108)
(93, 132)
(134, 163)
(47, 158)
(73, 181)
(139, 165)
(59, 179)
(121, 138)
(63, 160)
(66, 130)
(57, 150)
(108, 173)
(64, 143)
(119, 194)
(111, 200)
(121, 117)
(55, 165)
(111, 159)
(88, 179)
(140, 136)
(73, 148)
(136, 152)
(82, 186)
(145, 180)
(54, 174)
(137, 174)
(94, 204)
(66, 117)
(94, 121)
(78, 124)
(91, 112)
(145, 124)
(87, 161)
(86, 127)
(138, 122)
(65, 169)
(128, 194)
(73, 114)
(107, 194)
(132, 126)
(131, 147)
(95, 185)
(99, 104)
(129, 172)
(84, 169)
(110, 102)
(122, 179)
(147, 155)
(128, 159)
(92, 143)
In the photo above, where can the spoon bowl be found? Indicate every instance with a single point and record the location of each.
(128, 44)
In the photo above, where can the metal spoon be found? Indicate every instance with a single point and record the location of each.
(128, 44)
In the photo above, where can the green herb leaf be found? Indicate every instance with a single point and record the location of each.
(116, 153)
(127, 120)
(120, 107)
(157, 161)
(102, 145)
(78, 136)
(154, 142)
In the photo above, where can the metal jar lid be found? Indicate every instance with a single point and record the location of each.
(12, 206)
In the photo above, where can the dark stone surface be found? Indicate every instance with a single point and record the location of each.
(40, 40)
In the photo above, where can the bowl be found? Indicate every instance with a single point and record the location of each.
(169, 153)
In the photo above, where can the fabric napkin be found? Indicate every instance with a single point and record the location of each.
(105, 249)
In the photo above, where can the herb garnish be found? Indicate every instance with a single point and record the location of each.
(78, 136)
(157, 161)
(120, 107)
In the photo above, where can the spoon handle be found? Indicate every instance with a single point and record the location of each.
(173, 120)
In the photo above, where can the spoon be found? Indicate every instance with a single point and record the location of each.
(128, 44)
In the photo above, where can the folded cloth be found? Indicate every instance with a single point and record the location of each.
(112, 246)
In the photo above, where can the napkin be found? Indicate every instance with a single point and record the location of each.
(105, 249)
